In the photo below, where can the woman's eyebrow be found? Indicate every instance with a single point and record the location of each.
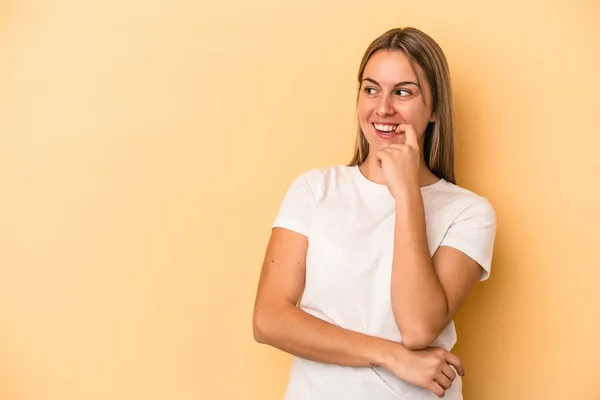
(403, 83)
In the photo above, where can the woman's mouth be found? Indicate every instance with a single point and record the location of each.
(385, 130)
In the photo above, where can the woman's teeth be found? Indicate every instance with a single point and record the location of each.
(386, 129)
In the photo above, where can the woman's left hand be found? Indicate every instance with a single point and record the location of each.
(400, 163)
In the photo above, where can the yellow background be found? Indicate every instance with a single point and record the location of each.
(146, 145)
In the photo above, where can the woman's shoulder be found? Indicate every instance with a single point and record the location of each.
(321, 181)
(444, 186)
(458, 197)
(323, 175)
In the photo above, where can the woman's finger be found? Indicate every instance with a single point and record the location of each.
(449, 372)
(443, 381)
(453, 360)
(437, 389)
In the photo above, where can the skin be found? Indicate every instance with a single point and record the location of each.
(437, 287)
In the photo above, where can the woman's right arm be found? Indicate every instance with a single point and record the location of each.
(280, 323)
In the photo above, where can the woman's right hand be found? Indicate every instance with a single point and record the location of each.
(428, 368)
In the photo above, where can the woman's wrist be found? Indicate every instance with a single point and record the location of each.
(389, 354)
(408, 199)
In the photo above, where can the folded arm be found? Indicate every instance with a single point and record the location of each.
(281, 324)
(426, 291)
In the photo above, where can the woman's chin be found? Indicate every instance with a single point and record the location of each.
(378, 141)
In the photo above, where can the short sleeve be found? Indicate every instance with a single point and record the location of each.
(298, 205)
(473, 232)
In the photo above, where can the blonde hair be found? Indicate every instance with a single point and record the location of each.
(422, 50)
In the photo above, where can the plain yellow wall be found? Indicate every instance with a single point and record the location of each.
(146, 145)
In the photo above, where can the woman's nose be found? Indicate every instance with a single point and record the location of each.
(385, 106)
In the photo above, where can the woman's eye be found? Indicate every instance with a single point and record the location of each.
(403, 93)
(370, 90)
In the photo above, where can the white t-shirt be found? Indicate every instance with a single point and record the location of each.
(349, 222)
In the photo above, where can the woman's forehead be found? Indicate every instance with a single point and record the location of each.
(390, 67)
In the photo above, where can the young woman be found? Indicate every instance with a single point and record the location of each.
(368, 263)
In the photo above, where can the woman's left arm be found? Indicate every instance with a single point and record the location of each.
(426, 292)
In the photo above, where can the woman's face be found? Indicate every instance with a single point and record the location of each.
(389, 96)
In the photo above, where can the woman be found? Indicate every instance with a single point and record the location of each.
(368, 263)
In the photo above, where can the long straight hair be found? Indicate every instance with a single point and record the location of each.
(421, 50)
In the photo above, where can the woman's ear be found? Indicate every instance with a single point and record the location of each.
(433, 117)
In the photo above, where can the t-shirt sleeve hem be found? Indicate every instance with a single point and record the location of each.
(475, 255)
(291, 225)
